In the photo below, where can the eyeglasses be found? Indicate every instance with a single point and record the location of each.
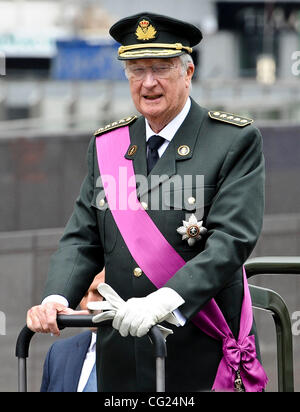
(159, 71)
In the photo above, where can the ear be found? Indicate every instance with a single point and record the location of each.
(189, 74)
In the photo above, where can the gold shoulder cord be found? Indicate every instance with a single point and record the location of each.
(175, 46)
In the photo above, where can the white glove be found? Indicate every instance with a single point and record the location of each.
(137, 315)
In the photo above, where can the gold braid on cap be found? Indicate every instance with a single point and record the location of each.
(175, 46)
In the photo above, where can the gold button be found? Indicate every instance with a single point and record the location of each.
(101, 202)
(137, 272)
(191, 200)
(144, 205)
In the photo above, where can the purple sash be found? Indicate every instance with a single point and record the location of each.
(238, 355)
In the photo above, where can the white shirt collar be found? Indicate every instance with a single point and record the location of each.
(170, 130)
(93, 342)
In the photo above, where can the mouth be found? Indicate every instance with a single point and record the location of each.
(153, 97)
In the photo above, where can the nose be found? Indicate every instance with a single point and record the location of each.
(149, 80)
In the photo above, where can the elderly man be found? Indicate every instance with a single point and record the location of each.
(172, 205)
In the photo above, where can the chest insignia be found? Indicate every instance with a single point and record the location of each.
(192, 231)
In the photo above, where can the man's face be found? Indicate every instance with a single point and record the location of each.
(92, 293)
(161, 94)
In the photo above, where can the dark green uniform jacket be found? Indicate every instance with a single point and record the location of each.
(230, 159)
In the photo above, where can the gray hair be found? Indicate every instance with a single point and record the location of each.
(186, 59)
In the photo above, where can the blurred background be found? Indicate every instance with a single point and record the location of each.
(60, 81)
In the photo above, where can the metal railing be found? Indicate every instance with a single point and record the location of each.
(112, 100)
(269, 300)
(85, 321)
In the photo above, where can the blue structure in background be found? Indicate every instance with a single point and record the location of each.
(79, 59)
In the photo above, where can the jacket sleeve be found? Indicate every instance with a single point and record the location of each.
(234, 223)
(80, 254)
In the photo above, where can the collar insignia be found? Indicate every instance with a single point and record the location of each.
(132, 150)
(183, 150)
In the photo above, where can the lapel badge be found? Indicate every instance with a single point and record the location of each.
(183, 150)
(145, 30)
(132, 150)
(192, 231)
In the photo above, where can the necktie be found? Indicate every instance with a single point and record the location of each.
(91, 385)
(154, 144)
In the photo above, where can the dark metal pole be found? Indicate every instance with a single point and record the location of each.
(85, 321)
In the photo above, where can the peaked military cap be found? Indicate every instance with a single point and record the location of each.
(148, 35)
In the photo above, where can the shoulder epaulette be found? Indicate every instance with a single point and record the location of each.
(115, 125)
(230, 118)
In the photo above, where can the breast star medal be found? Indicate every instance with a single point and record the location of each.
(145, 31)
(192, 231)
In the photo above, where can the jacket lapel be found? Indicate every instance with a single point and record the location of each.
(137, 148)
(187, 135)
(75, 362)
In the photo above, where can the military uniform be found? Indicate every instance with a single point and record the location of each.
(227, 150)
(230, 158)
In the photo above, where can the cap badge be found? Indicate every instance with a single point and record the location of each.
(145, 31)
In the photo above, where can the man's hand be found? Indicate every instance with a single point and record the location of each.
(42, 318)
(138, 315)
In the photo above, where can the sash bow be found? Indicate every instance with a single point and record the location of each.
(238, 353)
